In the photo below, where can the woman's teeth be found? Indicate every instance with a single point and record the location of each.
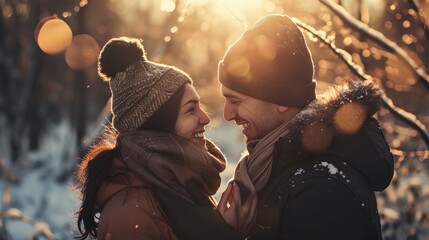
(198, 135)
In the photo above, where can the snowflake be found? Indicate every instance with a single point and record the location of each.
(299, 171)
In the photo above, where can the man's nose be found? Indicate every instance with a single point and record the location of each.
(229, 112)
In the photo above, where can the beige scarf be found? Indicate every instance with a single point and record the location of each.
(172, 162)
(254, 169)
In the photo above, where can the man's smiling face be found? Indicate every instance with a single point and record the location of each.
(256, 117)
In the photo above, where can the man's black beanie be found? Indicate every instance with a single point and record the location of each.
(271, 61)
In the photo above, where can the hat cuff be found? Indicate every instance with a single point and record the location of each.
(291, 95)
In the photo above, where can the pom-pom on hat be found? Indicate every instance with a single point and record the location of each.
(139, 87)
(271, 61)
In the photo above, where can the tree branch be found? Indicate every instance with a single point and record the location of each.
(407, 117)
(241, 21)
(378, 37)
(417, 7)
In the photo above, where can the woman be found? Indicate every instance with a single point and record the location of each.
(155, 156)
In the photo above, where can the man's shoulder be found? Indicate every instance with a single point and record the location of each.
(324, 167)
(312, 173)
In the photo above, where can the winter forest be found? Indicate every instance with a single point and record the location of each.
(53, 104)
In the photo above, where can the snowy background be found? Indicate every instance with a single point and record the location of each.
(52, 101)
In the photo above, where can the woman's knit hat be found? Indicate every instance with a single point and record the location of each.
(139, 87)
(271, 61)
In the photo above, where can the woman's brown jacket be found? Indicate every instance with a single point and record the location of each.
(129, 209)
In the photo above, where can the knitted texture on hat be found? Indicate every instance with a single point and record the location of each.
(140, 90)
(271, 61)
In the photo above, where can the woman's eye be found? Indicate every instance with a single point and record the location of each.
(191, 110)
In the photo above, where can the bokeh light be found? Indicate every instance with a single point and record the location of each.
(82, 52)
(167, 6)
(388, 25)
(83, 3)
(316, 137)
(53, 35)
(349, 118)
(67, 14)
(174, 29)
(267, 49)
(167, 39)
(366, 53)
(406, 24)
(399, 74)
(348, 41)
(408, 39)
(237, 66)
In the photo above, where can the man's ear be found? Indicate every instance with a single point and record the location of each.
(282, 109)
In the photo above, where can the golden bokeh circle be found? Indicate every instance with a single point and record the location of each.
(53, 35)
(82, 52)
(349, 118)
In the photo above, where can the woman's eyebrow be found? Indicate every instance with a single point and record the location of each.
(195, 101)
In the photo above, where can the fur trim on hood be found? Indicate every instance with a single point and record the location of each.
(339, 122)
(342, 109)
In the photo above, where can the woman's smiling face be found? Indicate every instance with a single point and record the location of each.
(191, 119)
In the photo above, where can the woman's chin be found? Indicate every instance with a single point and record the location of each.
(200, 142)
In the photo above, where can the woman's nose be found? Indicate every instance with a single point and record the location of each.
(204, 119)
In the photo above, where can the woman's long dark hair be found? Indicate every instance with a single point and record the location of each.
(95, 166)
(92, 172)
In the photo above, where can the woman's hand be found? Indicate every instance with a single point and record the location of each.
(227, 207)
(239, 215)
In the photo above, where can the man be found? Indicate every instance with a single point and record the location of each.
(313, 164)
